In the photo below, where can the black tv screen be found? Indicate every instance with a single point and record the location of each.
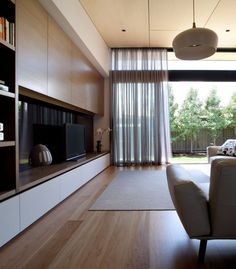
(75, 140)
(65, 142)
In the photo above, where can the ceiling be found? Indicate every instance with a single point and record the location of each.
(155, 23)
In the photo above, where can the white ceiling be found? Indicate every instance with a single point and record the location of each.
(155, 23)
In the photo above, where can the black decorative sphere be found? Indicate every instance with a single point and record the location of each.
(40, 155)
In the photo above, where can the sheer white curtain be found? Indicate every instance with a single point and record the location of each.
(140, 112)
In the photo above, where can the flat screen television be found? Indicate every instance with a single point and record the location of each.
(66, 142)
(74, 141)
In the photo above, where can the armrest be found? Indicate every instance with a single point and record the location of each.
(212, 151)
(189, 200)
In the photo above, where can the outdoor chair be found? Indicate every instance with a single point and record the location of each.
(206, 212)
(227, 150)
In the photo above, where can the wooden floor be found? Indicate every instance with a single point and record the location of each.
(70, 236)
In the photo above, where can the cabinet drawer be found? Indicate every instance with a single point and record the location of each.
(35, 202)
(76, 178)
(10, 220)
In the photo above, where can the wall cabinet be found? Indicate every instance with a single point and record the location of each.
(87, 85)
(32, 45)
(50, 63)
(8, 100)
(59, 63)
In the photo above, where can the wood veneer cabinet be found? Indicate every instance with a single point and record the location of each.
(32, 45)
(49, 63)
(59, 63)
(87, 84)
(8, 101)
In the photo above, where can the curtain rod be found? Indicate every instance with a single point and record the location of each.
(171, 49)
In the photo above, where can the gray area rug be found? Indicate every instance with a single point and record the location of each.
(140, 190)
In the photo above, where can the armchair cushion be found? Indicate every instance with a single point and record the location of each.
(222, 197)
(190, 201)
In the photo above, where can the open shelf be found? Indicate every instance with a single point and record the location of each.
(7, 178)
(8, 101)
(8, 45)
(7, 117)
(36, 175)
(7, 143)
(7, 94)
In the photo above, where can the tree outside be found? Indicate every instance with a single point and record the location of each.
(214, 116)
(189, 119)
(230, 112)
(173, 110)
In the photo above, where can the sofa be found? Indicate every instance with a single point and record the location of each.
(207, 211)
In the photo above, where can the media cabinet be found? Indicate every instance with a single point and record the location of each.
(45, 187)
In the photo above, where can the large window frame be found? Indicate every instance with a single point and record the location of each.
(206, 75)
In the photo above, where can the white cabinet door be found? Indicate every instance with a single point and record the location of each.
(10, 219)
(100, 164)
(37, 201)
(70, 182)
(77, 177)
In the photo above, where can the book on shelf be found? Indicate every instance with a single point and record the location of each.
(12, 33)
(3, 87)
(1, 136)
(7, 30)
(2, 28)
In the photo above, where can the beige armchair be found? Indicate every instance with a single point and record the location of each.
(206, 213)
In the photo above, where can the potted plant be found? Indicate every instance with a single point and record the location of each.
(99, 133)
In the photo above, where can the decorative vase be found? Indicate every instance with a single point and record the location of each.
(40, 156)
(99, 146)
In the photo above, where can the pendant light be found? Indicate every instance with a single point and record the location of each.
(195, 43)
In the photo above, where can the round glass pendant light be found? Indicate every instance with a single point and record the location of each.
(195, 43)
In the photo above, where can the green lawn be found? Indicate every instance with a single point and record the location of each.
(189, 159)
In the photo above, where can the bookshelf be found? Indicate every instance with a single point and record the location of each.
(8, 100)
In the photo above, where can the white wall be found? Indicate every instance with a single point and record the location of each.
(73, 19)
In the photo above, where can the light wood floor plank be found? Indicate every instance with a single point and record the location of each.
(70, 236)
(52, 246)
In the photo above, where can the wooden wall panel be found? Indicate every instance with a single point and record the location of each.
(32, 45)
(79, 69)
(87, 84)
(95, 94)
(49, 62)
(59, 63)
